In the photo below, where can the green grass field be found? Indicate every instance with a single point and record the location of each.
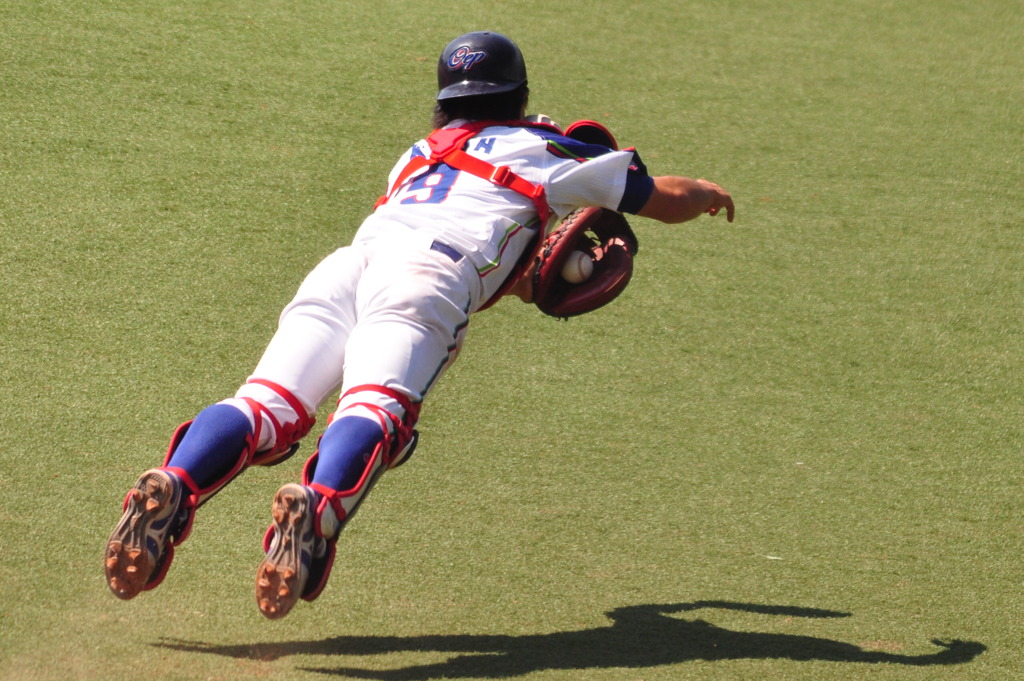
(790, 450)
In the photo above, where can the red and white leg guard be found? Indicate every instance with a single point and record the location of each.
(400, 436)
(285, 433)
(278, 445)
(333, 511)
(336, 507)
(284, 442)
(200, 495)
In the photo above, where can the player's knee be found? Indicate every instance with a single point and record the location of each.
(396, 413)
(280, 420)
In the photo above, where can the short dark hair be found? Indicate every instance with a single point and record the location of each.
(504, 106)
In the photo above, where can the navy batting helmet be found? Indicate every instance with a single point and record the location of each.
(479, 63)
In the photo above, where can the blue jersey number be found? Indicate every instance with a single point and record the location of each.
(432, 187)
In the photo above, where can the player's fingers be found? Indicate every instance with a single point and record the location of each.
(722, 200)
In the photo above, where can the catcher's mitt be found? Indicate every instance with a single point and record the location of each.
(607, 238)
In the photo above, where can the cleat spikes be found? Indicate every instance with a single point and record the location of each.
(138, 551)
(282, 576)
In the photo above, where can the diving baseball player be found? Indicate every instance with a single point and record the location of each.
(380, 320)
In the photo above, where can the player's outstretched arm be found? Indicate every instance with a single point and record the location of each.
(678, 199)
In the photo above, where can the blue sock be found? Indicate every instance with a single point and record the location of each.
(345, 449)
(213, 444)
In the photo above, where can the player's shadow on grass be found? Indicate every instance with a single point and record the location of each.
(639, 636)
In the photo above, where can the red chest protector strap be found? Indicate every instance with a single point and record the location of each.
(446, 147)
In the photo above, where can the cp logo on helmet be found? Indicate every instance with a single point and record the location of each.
(464, 59)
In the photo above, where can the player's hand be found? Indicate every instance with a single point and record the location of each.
(719, 199)
(523, 288)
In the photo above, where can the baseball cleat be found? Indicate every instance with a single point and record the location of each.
(139, 548)
(281, 577)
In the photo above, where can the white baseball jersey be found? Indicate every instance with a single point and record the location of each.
(492, 225)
